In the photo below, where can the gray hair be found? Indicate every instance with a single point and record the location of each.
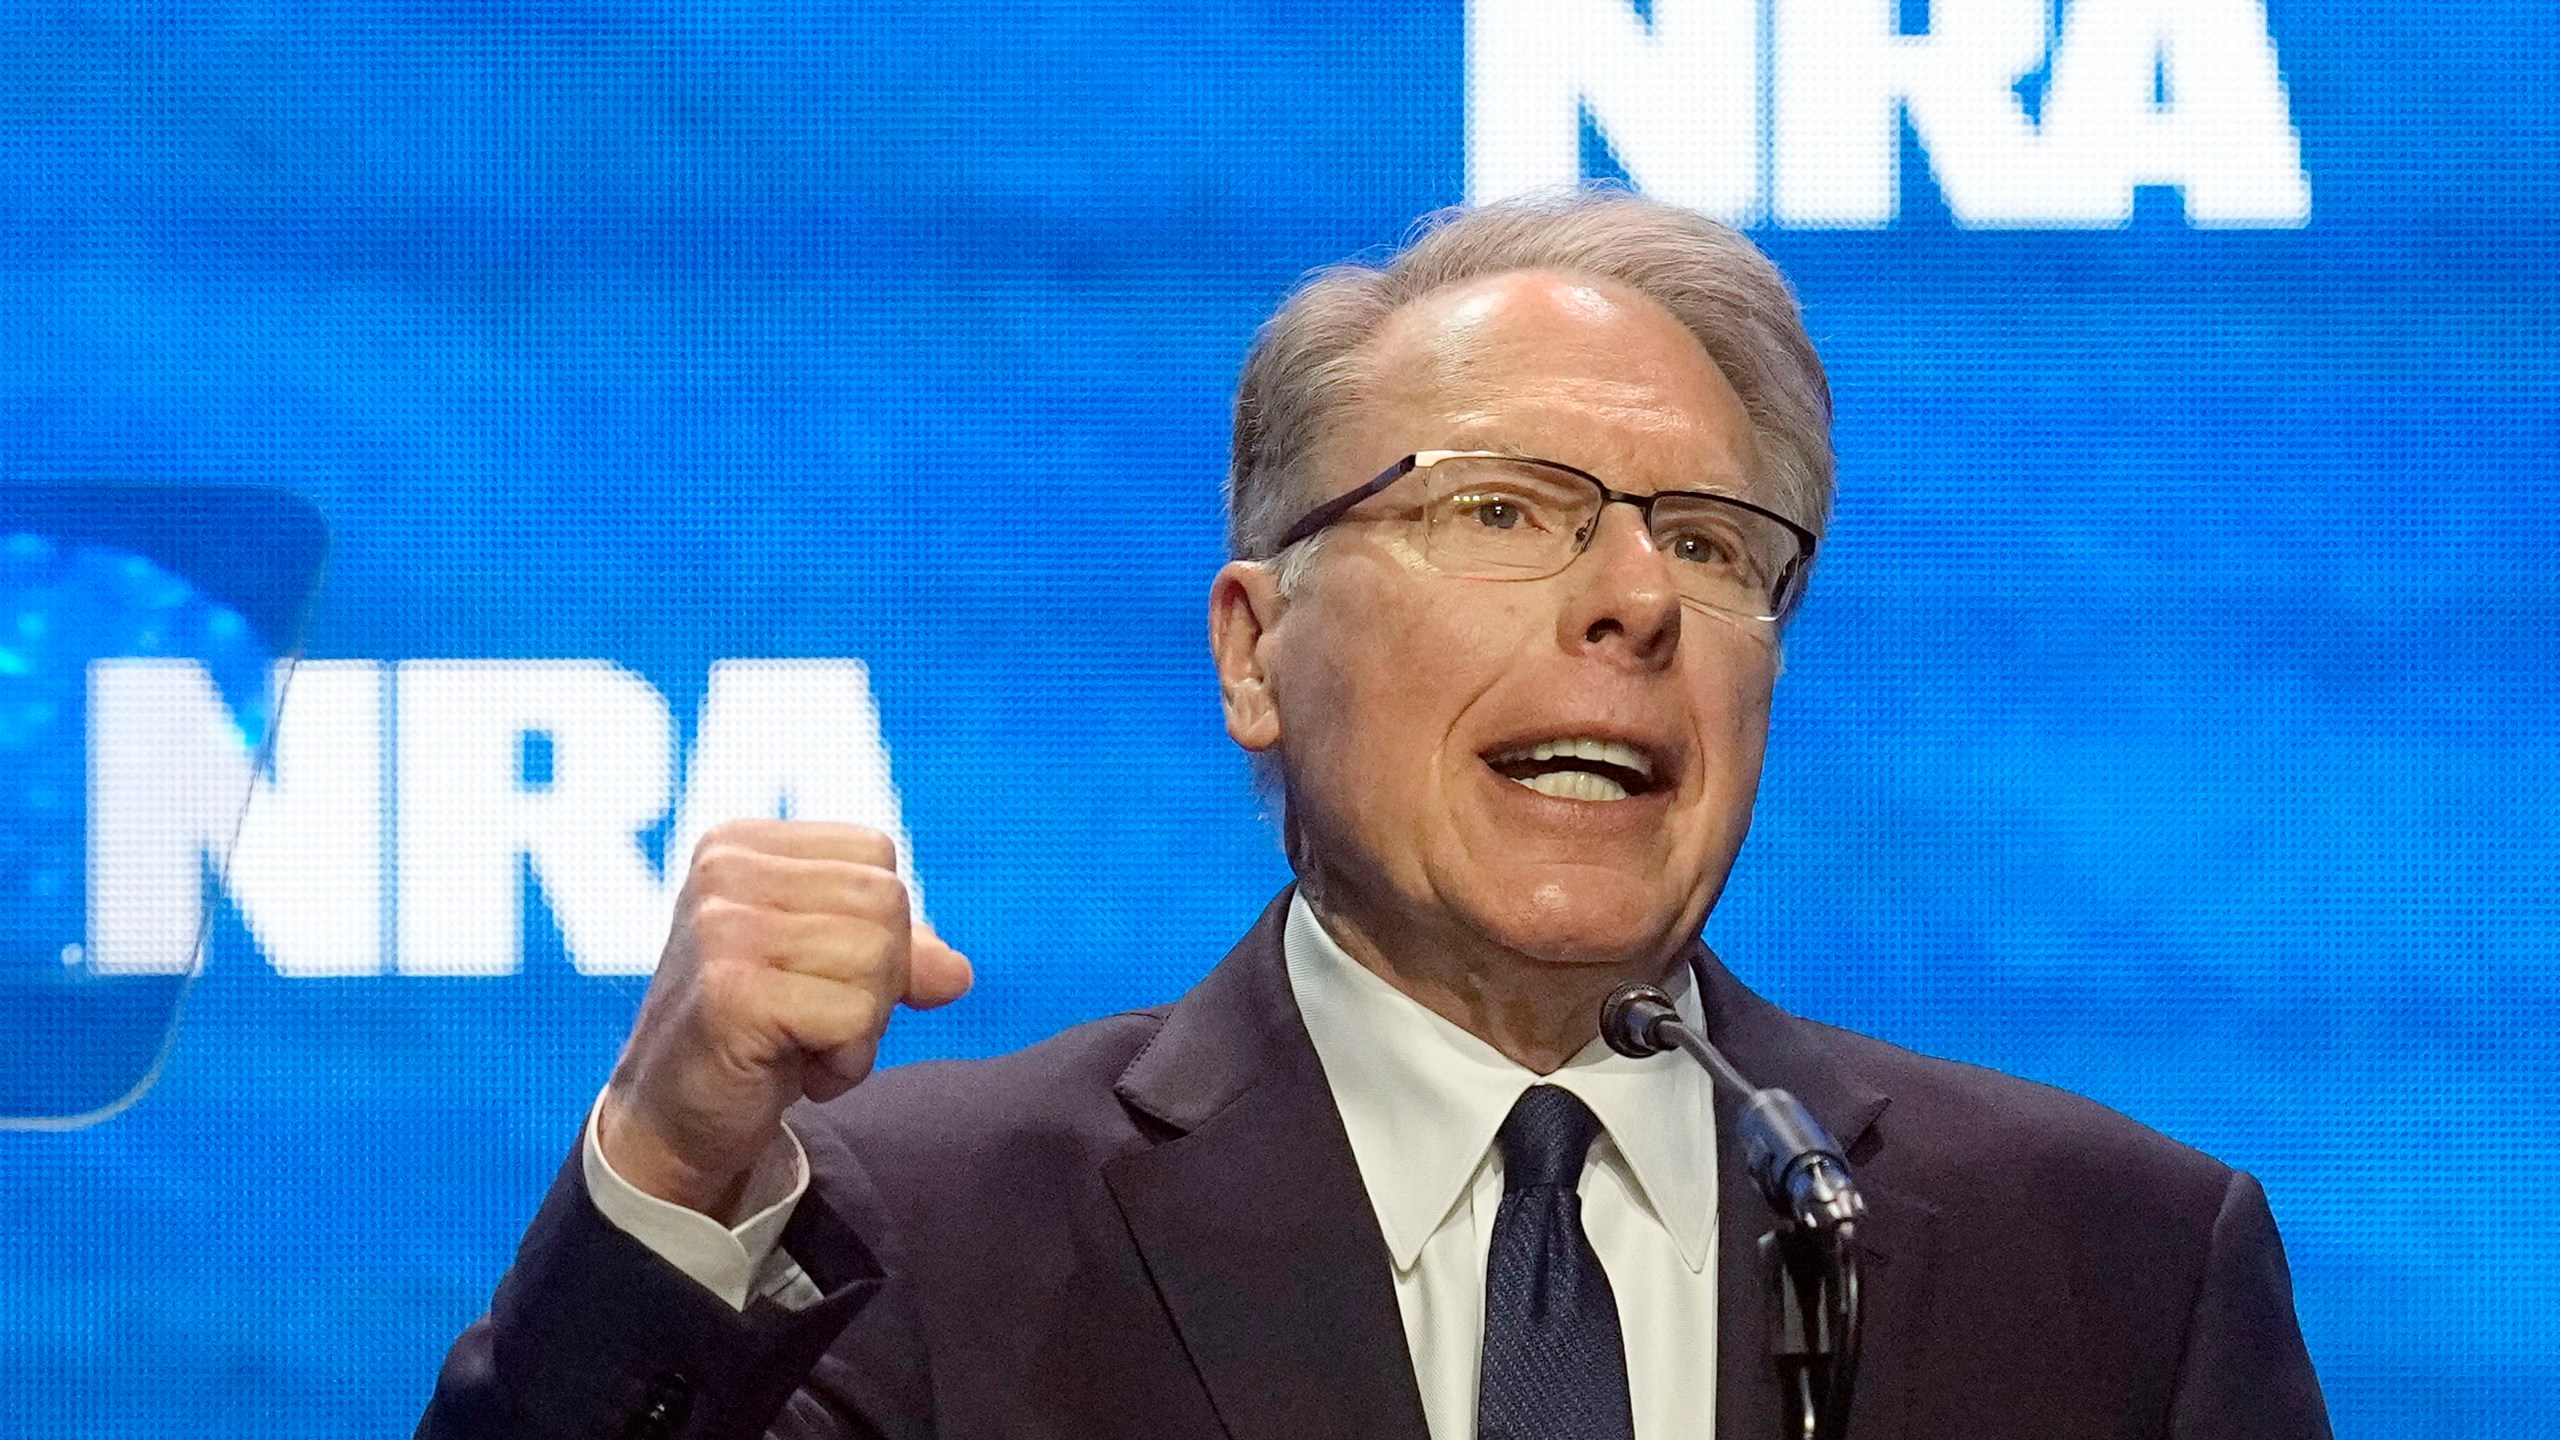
(1305, 365)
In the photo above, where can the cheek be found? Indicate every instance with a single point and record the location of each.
(1731, 702)
(1380, 676)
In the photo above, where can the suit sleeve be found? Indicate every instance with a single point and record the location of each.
(592, 1333)
(2246, 1374)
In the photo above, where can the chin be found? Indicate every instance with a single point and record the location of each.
(1581, 919)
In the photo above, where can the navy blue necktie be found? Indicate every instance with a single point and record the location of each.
(1555, 1366)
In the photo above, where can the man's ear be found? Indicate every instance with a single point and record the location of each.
(1244, 604)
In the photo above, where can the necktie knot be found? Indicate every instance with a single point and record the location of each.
(1545, 1138)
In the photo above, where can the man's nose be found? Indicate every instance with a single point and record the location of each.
(1621, 600)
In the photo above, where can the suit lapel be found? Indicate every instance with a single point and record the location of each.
(1260, 1238)
(1773, 1048)
(1252, 1219)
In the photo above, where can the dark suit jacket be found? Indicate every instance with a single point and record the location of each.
(1151, 1225)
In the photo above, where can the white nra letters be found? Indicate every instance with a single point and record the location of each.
(389, 834)
(2027, 120)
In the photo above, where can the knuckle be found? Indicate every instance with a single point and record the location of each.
(723, 927)
(728, 834)
(870, 846)
(857, 956)
(720, 868)
(846, 954)
(883, 896)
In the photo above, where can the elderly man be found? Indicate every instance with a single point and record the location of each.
(1517, 521)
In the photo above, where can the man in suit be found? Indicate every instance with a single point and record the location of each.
(1517, 521)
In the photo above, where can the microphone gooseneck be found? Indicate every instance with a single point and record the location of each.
(1795, 1164)
(1815, 1314)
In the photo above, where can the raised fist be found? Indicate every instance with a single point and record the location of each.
(792, 943)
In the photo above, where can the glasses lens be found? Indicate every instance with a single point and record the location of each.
(1495, 517)
(1504, 518)
(1725, 557)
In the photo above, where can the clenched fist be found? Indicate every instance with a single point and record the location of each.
(792, 943)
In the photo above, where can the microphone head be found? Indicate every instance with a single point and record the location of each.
(1628, 1018)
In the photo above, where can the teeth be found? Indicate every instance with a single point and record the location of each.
(1583, 747)
(1575, 785)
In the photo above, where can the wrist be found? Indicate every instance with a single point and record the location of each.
(642, 1153)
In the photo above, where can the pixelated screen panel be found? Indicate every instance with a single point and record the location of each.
(821, 409)
(157, 624)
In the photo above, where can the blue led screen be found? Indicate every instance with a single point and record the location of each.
(810, 406)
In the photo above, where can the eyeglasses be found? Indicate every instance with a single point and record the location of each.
(1490, 516)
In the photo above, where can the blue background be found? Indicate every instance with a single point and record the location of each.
(2171, 718)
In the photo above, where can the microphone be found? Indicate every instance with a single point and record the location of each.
(1815, 1310)
(1792, 1160)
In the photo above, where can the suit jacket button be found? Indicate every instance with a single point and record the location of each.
(663, 1408)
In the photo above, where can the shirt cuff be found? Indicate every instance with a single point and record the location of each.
(735, 1262)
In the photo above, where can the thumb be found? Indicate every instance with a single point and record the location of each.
(936, 973)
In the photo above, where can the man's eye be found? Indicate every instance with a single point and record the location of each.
(1493, 512)
(1698, 548)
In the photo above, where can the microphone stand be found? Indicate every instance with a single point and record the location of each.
(1811, 1257)
(1813, 1315)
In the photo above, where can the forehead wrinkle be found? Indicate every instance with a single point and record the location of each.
(1626, 434)
(1470, 385)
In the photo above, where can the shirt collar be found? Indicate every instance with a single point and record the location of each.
(1421, 1098)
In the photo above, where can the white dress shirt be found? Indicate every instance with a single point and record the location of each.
(1421, 1100)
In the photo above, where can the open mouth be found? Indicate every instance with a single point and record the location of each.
(1578, 767)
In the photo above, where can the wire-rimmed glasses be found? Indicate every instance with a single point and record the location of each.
(1492, 516)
